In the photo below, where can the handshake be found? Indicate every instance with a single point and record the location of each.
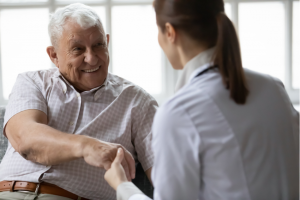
(104, 155)
(114, 158)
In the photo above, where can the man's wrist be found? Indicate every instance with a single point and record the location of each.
(81, 143)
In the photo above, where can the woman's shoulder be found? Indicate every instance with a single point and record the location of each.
(184, 106)
(254, 76)
(171, 110)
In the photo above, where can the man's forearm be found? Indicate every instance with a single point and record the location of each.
(31, 137)
(48, 146)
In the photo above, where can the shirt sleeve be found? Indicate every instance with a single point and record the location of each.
(176, 171)
(25, 95)
(142, 136)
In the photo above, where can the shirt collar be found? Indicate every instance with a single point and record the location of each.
(63, 82)
(195, 66)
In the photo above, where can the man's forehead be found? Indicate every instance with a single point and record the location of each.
(73, 39)
(73, 32)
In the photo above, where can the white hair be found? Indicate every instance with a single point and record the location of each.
(83, 15)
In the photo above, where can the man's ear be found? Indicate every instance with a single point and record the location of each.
(53, 55)
(170, 32)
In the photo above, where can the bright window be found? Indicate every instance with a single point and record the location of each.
(262, 37)
(24, 38)
(296, 46)
(228, 10)
(21, 1)
(81, 1)
(136, 55)
(264, 29)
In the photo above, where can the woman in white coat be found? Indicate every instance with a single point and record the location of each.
(228, 133)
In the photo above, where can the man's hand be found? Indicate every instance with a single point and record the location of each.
(116, 174)
(102, 154)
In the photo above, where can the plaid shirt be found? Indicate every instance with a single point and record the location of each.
(117, 112)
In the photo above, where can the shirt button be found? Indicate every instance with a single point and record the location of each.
(78, 95)
(71, 123)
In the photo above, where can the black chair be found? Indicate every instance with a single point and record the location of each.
(141, 180)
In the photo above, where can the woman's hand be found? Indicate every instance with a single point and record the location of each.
(116, 174)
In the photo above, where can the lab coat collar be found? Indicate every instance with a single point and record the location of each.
(195, 66)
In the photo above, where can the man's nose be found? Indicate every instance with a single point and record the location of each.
(91, 57)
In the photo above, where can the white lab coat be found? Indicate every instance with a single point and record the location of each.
(207, 147)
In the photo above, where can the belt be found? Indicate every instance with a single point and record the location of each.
(38, 188)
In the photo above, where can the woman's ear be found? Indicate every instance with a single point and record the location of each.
(170, 32)
(107, 39)
(52, 55)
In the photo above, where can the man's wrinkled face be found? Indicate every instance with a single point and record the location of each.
(82, 56)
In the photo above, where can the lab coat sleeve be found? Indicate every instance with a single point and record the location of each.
(128, 191)
(294, 112)
(139, 197)
(176, 173)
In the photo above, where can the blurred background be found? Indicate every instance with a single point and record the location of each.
(269, 32)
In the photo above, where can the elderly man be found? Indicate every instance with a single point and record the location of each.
(65, 124)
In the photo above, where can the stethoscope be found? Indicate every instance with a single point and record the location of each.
(206, 70)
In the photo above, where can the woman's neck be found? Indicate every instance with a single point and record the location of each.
(188, 49)
(189, 54)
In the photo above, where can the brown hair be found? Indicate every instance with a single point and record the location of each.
(206, 22)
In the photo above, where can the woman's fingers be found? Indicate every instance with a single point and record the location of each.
(119, 157)
(116, 174)
(119, 160)
(126, 168)
(131, 163)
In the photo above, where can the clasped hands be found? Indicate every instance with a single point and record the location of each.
(114, 158)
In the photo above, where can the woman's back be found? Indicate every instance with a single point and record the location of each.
(228, 133)
(239, 151)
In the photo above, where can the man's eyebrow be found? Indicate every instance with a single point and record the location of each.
(100, 38)
(74, 41)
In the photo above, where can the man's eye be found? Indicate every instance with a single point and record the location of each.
(76, 49)
(100, 45)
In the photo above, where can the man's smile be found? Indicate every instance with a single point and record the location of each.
(91, 70)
